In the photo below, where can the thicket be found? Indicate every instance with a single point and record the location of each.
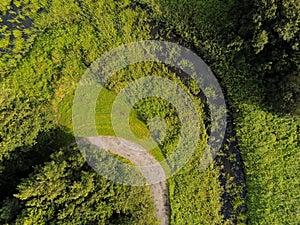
(271, 33)
(248, 46)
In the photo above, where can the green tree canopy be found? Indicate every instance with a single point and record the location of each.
(66, 190)
(271, 30)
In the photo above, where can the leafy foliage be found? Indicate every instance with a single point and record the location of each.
(66, 191)
(272, 34)
(22, 121)
(257, 48)
(271, 165)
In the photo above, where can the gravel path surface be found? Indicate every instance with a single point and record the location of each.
(148, 165)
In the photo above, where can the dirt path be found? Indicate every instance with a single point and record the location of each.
(148, 165)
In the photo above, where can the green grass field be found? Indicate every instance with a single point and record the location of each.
(103, 119)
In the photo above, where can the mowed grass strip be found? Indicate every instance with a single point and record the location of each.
(103, 119)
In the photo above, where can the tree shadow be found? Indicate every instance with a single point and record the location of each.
(23, 160)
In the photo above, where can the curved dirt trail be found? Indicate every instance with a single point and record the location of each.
(149, 166)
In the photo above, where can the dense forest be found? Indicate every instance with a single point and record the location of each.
(251, 46)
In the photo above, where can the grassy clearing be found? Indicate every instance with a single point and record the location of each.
(103, 119)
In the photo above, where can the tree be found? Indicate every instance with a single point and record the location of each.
(271, 30)
(66, 190)
(21, 121)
